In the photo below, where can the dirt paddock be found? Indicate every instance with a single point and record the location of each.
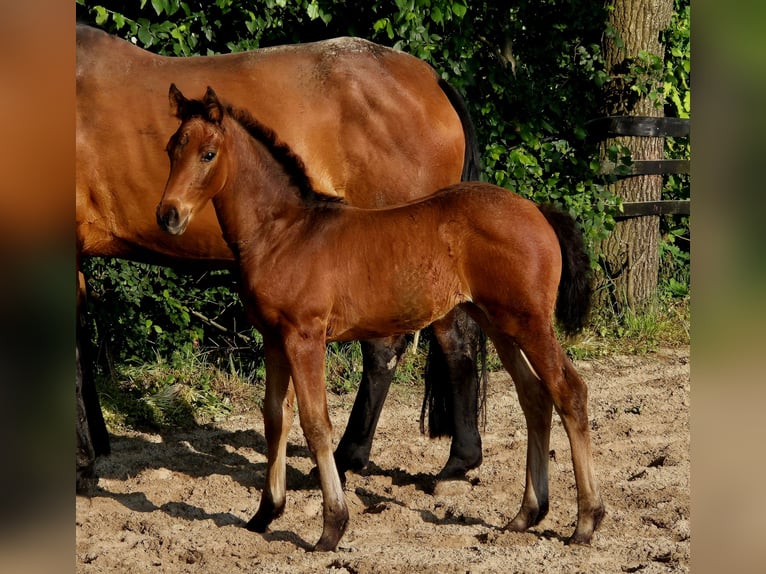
(178, 502)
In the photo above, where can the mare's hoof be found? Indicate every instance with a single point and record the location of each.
(456, 468)
(86, 481)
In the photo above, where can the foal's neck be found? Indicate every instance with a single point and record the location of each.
(267, 190)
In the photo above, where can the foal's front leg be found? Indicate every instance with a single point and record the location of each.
(305, 352)
(278, 417)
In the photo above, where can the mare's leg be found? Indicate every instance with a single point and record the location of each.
(96, 424)
(278, 417)
(380, 358)
(537, 405)
(305, 352)
(99, 436)
(91, 433)
(570, 397)
(460, 340)
(85, 456)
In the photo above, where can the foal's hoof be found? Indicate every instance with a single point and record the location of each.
(332, 534)
(257, 524)
(265, 515)
(526, 518)
(583, 534)
(579, 540)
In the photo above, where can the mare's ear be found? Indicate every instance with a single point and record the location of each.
(213, 107)
(177, 101)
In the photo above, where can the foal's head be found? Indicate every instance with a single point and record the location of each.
(196, 174)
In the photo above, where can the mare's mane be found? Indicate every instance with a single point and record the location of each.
(285, 156)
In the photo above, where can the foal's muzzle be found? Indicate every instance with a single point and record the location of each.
(170, 220)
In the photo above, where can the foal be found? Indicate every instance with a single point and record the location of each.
(314, 270)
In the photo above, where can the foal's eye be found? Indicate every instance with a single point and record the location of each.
(208, 156)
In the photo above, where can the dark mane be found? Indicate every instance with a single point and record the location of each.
(293, 165)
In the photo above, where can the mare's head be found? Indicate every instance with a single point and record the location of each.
(197, 171)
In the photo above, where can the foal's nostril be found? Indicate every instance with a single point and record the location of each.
(168, 219)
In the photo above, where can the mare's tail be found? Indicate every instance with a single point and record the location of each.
(471, 352)
(472, 158)
(576, 285)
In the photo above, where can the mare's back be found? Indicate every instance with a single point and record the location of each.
(364, 119)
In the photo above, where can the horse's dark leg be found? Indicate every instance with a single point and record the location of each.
(380, 357)
(85, 455)
(99, 436)
(460, 341)
(92, 436)
(96, 425)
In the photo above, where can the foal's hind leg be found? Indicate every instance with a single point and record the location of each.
(537, 405)
(459, 338)
(570, 397)
(380, 358)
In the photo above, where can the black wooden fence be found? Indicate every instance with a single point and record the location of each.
(642, 126)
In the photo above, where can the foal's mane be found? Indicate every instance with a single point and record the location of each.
(285, 156)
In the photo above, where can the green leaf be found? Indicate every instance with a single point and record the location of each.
(145, 35)
(101, 15)
(459, 9)
(313, 10)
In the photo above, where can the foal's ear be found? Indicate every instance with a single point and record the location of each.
(213, 107)
(177, 101)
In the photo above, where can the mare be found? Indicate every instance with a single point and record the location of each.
(372, 124)
(315, 269)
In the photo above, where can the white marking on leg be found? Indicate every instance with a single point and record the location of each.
(531, 368)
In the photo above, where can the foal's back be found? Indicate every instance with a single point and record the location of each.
(470, 242)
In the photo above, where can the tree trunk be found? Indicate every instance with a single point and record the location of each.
(630, 255)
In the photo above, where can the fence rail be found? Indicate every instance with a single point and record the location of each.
(643, 126)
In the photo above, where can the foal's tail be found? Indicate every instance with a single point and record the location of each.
(576, 285)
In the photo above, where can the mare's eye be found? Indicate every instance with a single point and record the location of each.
(208, 156)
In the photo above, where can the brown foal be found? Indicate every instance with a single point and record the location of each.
(315, 269)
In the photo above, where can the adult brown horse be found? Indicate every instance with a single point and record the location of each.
(373, 125)
(315, 269)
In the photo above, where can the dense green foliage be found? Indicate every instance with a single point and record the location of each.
(531, 72)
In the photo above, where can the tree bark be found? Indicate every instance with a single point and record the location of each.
(629, 257)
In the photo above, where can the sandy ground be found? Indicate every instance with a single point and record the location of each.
(177, 502)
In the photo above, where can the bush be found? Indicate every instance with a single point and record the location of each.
(531, 73)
